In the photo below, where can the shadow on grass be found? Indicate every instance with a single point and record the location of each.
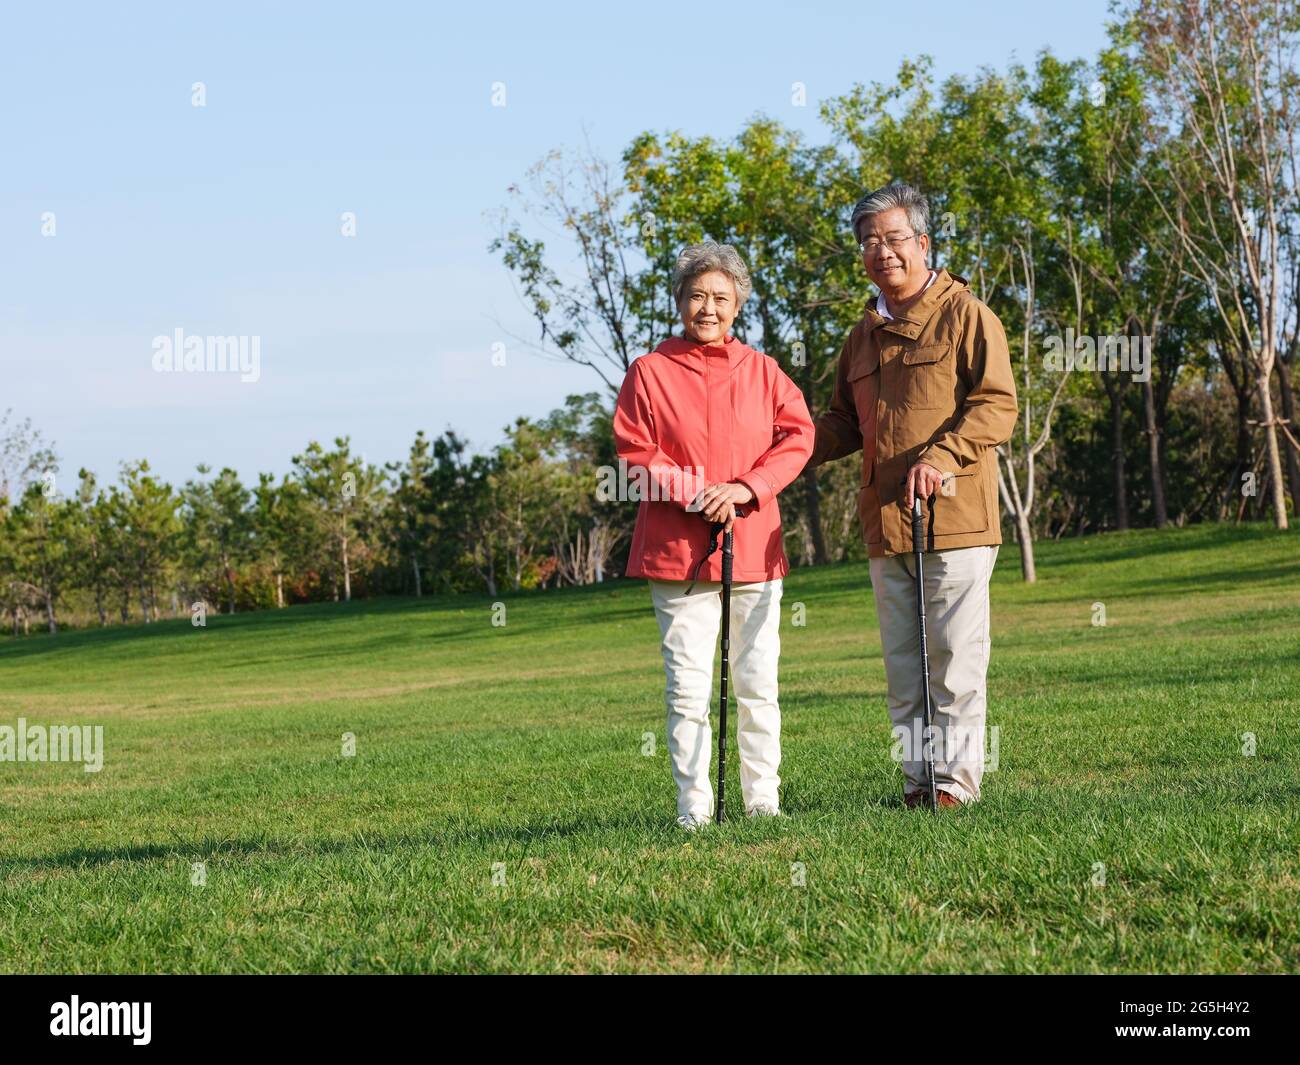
(269, 622)
(169, 629)
(867, 797)
(857, 796)
(441, 839)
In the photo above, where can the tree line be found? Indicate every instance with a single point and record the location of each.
(526, 515)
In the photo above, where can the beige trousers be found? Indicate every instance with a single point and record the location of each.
(689, 625)
(957, 636)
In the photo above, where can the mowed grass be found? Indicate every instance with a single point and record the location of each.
(500, 815)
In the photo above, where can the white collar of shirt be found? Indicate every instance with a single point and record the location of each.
(882, 308)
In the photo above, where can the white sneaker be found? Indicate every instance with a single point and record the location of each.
(765, 809)
(693, 822)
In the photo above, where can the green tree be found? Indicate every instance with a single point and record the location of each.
(1222, 80)
(93, 566)
(344, 495)
(218, 524)
(43, 526)
(469, 538)
(413, 520)
(145, 514)
(281, 528)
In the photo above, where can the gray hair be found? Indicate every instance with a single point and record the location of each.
(886, 198)
(703, 258)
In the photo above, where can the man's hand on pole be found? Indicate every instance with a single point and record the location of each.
(923, 480)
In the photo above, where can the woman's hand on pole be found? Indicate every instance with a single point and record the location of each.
(718, 502)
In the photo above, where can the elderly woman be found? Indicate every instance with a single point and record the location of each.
(719, 429)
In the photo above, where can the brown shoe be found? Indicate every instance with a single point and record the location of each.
(914, 799)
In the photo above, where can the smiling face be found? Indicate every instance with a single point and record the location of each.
(900, 272)
(708, 307)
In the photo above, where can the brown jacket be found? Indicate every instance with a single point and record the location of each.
(933, 385)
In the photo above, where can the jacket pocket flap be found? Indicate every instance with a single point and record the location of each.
(925, 353)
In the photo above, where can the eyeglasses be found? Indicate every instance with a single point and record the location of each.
(870, 247)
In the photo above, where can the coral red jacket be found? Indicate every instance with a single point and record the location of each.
(694, 415)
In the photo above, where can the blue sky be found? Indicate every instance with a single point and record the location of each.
(225, 219)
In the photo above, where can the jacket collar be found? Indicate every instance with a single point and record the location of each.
(691, 354)
(912, 321)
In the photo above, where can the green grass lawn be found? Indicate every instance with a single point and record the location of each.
(514, 754)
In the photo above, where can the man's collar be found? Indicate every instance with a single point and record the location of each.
(882, 308)
(910, 322)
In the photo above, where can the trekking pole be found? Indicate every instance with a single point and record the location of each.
(726, 661)
(927, 741)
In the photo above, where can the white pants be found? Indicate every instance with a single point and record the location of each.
(957, 637)
(689, 625)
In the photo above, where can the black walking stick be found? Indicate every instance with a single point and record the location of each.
(927, 743)
(714, 529)
(726, 661)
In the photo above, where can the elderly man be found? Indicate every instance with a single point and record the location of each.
(925, 390)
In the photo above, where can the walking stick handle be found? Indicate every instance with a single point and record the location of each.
(918, 526)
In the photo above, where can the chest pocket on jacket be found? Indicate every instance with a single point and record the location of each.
(927, 376)
(864, 382)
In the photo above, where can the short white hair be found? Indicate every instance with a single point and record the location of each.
(704, 258)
